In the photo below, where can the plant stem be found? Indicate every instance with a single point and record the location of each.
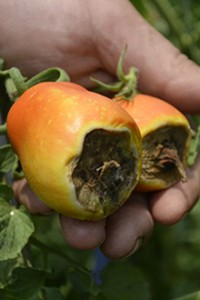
(51, 74)
(42, 295)
(186, 39)
(126, 86)
(171, 17)
(19, 80)
(16, 84)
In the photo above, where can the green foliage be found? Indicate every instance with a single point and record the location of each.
(27, 283)
(116, 283)
(193, 296)
(6, 192)
(177, 20)
(15, 229)
(8, 159)
(171, 260)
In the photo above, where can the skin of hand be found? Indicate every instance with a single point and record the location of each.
(86, 39)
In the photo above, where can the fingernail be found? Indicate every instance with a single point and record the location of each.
(137, 245)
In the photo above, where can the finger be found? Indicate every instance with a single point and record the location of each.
(163, 71)
(171, 205)
(83, 234)
(27, 197)
(128, 228)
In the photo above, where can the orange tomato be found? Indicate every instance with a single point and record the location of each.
(80, 151)
(165, 135)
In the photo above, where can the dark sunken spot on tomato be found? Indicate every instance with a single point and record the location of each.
(164, 154)
(106, 169)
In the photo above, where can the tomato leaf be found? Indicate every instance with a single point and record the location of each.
(52, 294)
(122, 280)
(193, 296)
(26, 285)
(83, 282)
(6, 192)
(8, 159)
(15, 229)
(6, 269)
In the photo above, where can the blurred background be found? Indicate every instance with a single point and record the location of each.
(171, 260)
(177, 20)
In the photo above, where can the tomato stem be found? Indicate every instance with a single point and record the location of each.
(11, 89)
(113, 87)
(16, 84)
(18, 80)
(129, 90)
(120, 72)
(51, 74)
(126, 86)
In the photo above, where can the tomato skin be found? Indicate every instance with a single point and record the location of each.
(150, 114)
(46, 127)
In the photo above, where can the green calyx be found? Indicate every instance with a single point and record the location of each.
(126, 86)
(16, 84)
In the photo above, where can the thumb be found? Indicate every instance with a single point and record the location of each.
(163, 71)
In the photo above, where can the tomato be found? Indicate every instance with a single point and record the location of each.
(165, 135)
(165, 131)
(80, 151)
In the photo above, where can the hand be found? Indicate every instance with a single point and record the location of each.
(86, 40)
